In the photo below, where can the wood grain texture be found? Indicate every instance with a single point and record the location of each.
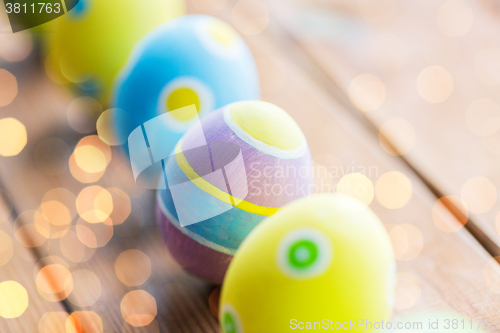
(181, 300)
(347, 39)
(333, 133)
(446, 273)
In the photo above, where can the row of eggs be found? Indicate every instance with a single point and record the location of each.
(319, 257)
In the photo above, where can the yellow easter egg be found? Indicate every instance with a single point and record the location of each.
(91, 43)
(323, 262)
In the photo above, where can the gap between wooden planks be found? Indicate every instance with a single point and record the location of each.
(182, 300)
(330, 130)
(446, 153)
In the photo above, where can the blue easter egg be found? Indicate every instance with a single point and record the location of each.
(194, 59)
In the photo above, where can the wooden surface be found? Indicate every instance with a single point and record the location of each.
(19, 265)
(396, 45)
(438, 270)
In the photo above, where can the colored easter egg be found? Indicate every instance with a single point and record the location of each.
(92, 42)
(256, 160)
(194, 59)
(326, 259)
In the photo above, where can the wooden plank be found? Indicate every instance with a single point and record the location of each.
(449, 142)
(18, 290)
(448, 277)
(339, 140)
(181, 300)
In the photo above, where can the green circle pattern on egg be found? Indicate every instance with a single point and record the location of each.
(323, 259)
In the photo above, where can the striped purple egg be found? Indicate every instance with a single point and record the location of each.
(254, 161)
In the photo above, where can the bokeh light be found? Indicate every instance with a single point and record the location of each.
(487, 66)
(138, 308)
(71, 247)
(26, 254)
(491, 142)
(80, 175)
(479, 194)
(133, 267)
(83, 322)
(450, 213)
(83, 113)
(407, 241)
(90, 159)
(64, 197)
(366, 92)
(6, 248)
(94, 235)
(106, 127)
(53, 322)
(86, 235)
(87, 288)
(54, 282)
(13, 299)
(16, 47)
(250, 17)
(8, 87)
(272, 73)
(397, 136)
(455, 18)
(483, 117)
(84, 161)
(121, 206)
(393, 190)
(51, 259)
(153, 327)
(48, 229)
(435, 84)
(28, 236)
(51, 156)
(205, 5)
(408, 291)
(94, 140)
(56, 213)
(491, 275)
(94, 204)
(13, 136)
(27, 232)
(356, 185)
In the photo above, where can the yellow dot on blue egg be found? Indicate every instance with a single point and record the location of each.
(181, 97)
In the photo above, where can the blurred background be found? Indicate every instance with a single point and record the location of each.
(398, 97)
